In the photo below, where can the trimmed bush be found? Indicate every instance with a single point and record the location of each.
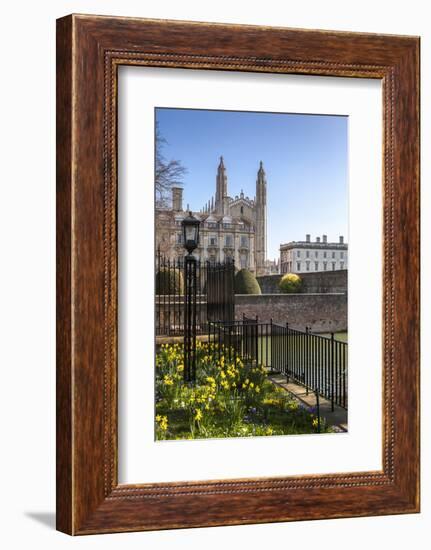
(246, 283)
(290, 283)
(169, 281)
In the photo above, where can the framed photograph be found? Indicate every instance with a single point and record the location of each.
(237, 274)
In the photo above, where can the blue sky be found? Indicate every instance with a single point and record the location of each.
(304, 157)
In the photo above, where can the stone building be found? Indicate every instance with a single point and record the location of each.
(304, 256)
(231, 227)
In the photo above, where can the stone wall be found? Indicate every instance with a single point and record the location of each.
(312, 282)
(322, 312)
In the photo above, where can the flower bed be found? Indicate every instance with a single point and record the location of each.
(229, 399)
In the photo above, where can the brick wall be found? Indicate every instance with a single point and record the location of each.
(322, 312)
(313, 282)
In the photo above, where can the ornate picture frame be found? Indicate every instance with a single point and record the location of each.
(89, 51)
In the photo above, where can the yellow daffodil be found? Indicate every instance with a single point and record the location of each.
(162, 422)
(167, 380)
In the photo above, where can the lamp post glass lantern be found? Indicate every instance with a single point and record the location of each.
(191, 241)
(190, 232)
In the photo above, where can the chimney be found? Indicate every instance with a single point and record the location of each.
(341, 239)
(177, 199)
(317, 239)
(324, 238)
(307, 238)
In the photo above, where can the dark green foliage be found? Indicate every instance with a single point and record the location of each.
(246, 283)
(169, 281)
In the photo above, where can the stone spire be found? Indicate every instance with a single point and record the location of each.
(261, 217)
(261, 183)
(221, 187)
(261, 176)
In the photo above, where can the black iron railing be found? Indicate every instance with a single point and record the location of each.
(315, 361)
(319, 363)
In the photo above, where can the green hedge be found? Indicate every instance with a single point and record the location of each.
(290, 283)
(246, 283)
(169, 281)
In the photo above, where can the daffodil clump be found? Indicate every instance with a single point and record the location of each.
(161, 426)
(229, 399)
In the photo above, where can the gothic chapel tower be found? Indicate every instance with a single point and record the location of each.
(260, 221)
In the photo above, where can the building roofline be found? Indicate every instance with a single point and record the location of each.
(314, 245)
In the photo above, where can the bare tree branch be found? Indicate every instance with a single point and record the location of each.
(168, 174)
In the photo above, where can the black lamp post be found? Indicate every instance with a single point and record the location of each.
(191, 241)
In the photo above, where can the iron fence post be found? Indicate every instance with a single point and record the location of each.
(190, 319)
(307, 366)
(287, 352)
(332, 371)
(272, 344)
(256, 332)
(318, 409)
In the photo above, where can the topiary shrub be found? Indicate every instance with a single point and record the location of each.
(169, 281)
(245, 283)
(290, 283)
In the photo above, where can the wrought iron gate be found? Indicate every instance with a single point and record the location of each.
(215, 297)
(220, 291)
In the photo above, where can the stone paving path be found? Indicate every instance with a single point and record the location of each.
(336, 418)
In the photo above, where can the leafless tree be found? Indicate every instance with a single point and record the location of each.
(168, 173)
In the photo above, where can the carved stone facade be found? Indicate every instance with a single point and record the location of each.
(230, 227)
